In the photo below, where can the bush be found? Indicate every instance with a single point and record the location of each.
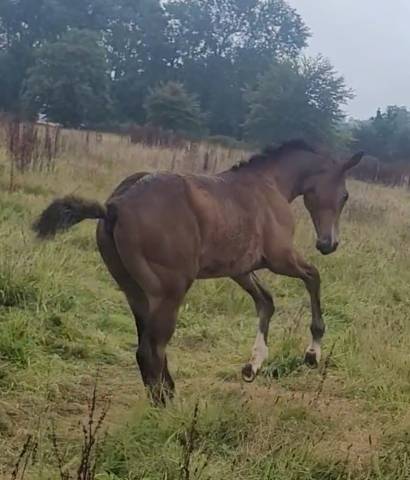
(171, 107)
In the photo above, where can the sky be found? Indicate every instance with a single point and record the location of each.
(368, 41)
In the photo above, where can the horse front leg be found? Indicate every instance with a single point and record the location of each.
(293, 265)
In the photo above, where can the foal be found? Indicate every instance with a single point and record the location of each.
(159, 232)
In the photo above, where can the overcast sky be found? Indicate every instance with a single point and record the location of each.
(368, 41)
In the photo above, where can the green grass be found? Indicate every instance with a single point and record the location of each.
(62, 319)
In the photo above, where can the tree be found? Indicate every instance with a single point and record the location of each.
(222, 46)
(69, 80)
(300, 98)
(217, 49)
(133, 32)
(25, 25)
(14, 63)
(139, 53)
(171, 107)
(206, 28)
(387, 135)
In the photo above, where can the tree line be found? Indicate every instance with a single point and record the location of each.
(202, 67)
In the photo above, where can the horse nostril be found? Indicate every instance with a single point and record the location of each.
(328, 240)
(324, 242)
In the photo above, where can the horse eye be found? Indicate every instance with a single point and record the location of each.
(345, 197)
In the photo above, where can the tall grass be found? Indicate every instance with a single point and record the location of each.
(62, 318)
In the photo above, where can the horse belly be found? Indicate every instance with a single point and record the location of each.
(229, 258)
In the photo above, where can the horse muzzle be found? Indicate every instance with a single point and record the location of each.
(326, 246)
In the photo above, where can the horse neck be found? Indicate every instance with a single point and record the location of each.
(291, 174)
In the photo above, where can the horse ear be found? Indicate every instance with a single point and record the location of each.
(352, 162)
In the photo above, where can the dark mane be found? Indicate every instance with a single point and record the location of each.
(272, 153)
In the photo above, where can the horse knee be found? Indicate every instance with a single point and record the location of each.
(312, 275)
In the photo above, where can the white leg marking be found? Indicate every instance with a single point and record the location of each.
(314, 347)
(259, 353)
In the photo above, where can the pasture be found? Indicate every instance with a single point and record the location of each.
(63, 323)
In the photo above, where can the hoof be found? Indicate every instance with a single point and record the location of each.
(248, 374)
(311, 359)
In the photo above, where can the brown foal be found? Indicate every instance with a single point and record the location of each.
(159, 232)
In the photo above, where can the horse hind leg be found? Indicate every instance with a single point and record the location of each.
(154, 332)
(135, 296)
(265, 310)
(151, 355)
(165, 290)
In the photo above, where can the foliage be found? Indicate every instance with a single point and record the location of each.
(217, 50)
(171, 107)
(25, 25)
(387, 135)
(13, 66)
(297, 99)
(68, 82)
(223, 46)
(203, 29)
(139, 53)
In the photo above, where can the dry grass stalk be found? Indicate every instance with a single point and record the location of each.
(30, 147)
(324, 373)
(90, 444)
(189, 441)
(151, 136)
(27, 453)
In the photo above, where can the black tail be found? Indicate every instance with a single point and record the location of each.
(64, 213)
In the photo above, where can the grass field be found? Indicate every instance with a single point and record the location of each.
(62, 320)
